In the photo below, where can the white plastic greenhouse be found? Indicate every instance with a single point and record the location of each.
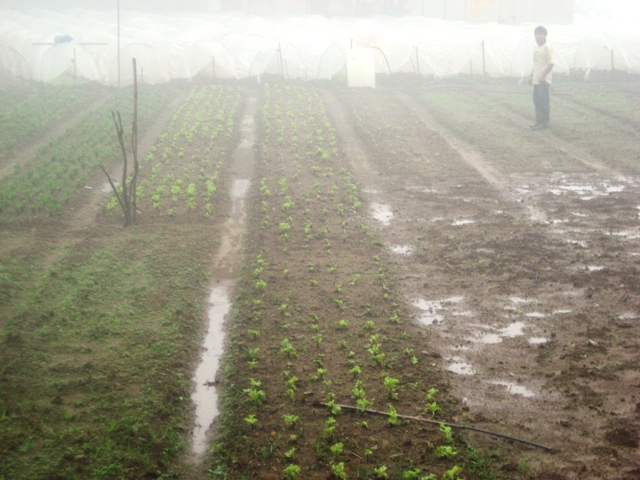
(43, 45)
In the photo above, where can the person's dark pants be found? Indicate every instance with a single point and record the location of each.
(541, 102)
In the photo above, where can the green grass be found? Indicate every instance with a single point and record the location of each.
(94, 369)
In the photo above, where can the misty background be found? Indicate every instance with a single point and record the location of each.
(622, 10)
(44, 40)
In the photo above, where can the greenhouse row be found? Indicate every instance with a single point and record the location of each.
(44, 45)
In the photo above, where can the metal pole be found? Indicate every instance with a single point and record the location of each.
(613, 66)
(118, 43)
(484, 64)
(417, 61)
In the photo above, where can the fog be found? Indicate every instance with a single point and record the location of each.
(173, 40)
(585, 11)
(614, 9)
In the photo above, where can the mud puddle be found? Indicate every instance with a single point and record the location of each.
(205, 395)
(225, 269)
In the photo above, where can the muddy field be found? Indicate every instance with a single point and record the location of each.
(414, 250)
(519, 253)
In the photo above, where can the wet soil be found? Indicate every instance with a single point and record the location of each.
(519, 253)
(495, 264)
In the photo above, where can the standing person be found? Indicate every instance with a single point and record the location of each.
(541, 78)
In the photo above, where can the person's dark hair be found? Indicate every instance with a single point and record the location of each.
(540, 29)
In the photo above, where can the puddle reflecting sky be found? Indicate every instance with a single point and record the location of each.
(381, 212)
(459, 223)
(459, 366)
(401, 249)
(432, 309)
(511, 331)
(205, 397)
(514, 389)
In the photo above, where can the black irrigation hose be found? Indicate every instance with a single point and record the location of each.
(426, 420)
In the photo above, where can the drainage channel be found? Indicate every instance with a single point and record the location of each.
(226, 265)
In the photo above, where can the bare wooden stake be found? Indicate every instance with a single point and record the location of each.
(127, 198)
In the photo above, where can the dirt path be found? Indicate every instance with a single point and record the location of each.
(530, 315)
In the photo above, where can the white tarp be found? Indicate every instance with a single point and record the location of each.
(237, 46)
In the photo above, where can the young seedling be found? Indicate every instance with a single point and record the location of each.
(336, 449)
(452, 474)
(284, 229)
(283, 186)
(256, 396)
(333, 408)
(288, 204)
(342, 324)
(338, 470)
(252, 353)
(413, 474)
(290, 420)
(319, 374)
(393, 415)
(330, 426)
(291, 382)
(431, 394)
(390, 384)
(288, 349)
(251, 420)
(445, 451)
(433, 408)
(363, 404)
(292, 471)
(291, 393)
(446, 432)
(381, 472)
